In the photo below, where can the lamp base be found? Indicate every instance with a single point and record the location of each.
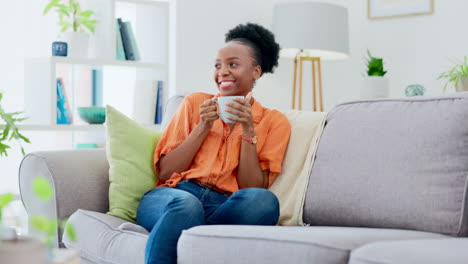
(317, 91)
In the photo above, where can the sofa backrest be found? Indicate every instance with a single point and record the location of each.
(393, 164)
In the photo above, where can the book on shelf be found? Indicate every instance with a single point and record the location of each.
(64, 113)
(128, 40)
(97, 87)
(144, 101)
(159, 103)
(120, 52)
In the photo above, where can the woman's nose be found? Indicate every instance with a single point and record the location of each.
(223, 71)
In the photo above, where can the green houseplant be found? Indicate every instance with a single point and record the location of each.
(375, 85)
(9, 130)
(48, 227)
(81, 23)
(457, 76)
(374, 65)
(71, 15)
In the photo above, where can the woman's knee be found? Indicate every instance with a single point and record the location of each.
(166, 200)
(264, 204)
(186, 204)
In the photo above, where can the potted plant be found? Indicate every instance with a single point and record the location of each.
(457, 76)
(375, 84)
(21, 250)
(10, 131)
(76, 24)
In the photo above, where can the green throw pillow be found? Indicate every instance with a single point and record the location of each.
(130, 149)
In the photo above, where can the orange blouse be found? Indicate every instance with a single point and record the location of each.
(217, 160)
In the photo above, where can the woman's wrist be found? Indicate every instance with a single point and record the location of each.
(204, 126)
(248, 132)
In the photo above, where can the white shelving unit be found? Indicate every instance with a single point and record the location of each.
(85, 128)
(150, 24)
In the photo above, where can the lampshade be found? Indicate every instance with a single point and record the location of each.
(319, 29)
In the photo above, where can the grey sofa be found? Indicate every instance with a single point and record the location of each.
(389, 185)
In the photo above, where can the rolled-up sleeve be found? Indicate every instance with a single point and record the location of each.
(272, 153)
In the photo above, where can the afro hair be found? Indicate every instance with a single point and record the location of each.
(261, 40)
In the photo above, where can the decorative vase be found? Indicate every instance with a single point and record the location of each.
(374, 87)
(414, 90)
(462, 85)
(78, 44)
(22, 251)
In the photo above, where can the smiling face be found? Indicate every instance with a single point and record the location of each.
(235, 69)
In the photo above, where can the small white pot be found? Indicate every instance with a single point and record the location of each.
(375, 87)
(462, 85)
(78, 44)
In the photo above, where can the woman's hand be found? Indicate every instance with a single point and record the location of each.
(208, 113)
(243, 109)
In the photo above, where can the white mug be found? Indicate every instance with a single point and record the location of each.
(221, 101)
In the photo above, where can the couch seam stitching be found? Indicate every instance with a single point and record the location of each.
(113, 228)
(270, 240)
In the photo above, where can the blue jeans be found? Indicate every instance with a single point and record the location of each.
(166, 211)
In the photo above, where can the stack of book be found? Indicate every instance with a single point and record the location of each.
(127, 48)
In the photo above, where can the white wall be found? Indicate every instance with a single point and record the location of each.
(415, 49)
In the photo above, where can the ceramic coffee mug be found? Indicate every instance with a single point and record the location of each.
(221, 101)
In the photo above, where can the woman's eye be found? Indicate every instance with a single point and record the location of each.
(233, 64)
(217, 66)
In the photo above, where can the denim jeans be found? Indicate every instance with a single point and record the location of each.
(166, 211)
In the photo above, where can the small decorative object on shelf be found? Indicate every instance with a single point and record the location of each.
(59, 48)
(375, 84)
(72, 17)
(64, 114)
(414, 90)
(93, 114)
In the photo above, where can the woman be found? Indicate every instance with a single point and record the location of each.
(211, 172)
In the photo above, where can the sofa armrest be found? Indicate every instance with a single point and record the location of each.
(80, 179)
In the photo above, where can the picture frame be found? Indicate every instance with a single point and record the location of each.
(379, 9)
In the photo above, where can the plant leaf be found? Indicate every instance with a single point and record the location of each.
(3, 149)
(87, 13)
(63, 11)
(42, 188)
(52, 228)
(6, 199)
(70, 231)
(52, 3)
(40, 223)
(25, 139)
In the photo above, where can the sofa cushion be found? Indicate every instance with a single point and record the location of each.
(103, 238)
(230, 244)
(437, 251)
(130, 149)
(394, 163)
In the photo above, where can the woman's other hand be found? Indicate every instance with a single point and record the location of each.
(243, 109)
(208, 113)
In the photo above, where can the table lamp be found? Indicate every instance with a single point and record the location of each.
(311, 31)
